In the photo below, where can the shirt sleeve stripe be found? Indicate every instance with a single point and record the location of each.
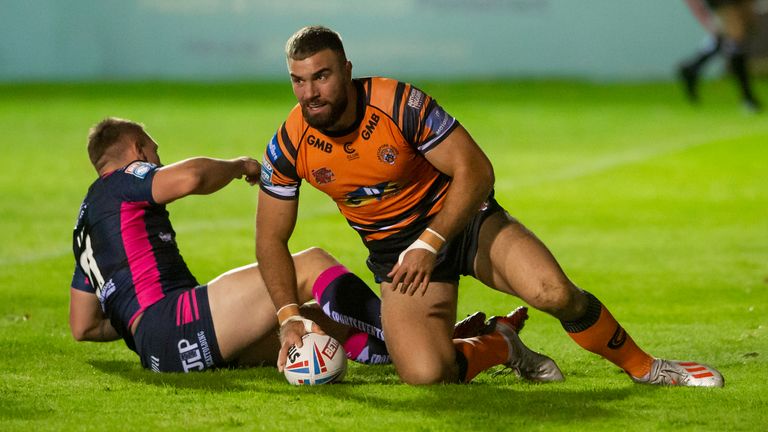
(434, 142)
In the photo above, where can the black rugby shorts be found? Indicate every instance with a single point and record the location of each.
(455, 259)
(176, 334)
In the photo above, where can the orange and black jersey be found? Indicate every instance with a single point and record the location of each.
(375, 171)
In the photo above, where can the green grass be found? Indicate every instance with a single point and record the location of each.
(658, 208)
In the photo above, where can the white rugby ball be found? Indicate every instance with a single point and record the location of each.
(321, 360)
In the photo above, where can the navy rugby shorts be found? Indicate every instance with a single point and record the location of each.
(176, 334)
(455, 259)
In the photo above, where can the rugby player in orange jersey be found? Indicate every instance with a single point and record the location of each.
(419, 191)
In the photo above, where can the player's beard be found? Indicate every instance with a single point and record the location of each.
(329, 119)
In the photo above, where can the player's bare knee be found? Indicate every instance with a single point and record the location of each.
(310, 263)
(557, 297)
(317, 258)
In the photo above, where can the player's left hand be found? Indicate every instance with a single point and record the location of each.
(412, 273)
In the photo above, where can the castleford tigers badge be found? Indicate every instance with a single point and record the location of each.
(387, 154)
(323, 176)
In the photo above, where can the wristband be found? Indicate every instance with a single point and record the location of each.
(437, 234)
(418, 244)
(433, 238)
(291, 309)
(307, 323)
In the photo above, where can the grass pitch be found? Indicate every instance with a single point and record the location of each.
(658, 208)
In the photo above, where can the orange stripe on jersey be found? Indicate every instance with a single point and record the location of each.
(376, 172)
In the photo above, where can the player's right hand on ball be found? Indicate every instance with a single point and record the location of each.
(291, 333)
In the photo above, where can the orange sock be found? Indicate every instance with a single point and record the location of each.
(481, 353)
(605, 337)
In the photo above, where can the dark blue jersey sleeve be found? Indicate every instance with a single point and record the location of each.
(134, 183)
(80, 281)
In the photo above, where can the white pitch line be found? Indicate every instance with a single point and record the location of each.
(609, 161)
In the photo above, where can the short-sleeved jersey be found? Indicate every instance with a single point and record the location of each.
(375, 170)
(125, 247)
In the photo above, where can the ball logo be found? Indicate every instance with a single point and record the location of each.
(320, 360)
(315, 365)
(330, 348)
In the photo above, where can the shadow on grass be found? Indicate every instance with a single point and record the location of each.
(23, 410)
(506, 400)
(378, 389)
(220, 380)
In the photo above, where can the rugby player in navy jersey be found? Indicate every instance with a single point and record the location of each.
(131, 282)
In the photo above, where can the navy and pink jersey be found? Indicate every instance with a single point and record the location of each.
(125, 247)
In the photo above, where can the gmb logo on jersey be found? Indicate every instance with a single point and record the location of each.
(139, 169)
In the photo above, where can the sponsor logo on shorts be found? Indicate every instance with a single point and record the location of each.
(206, 349)
(190, 356)
(154, 363)
(195, 356)
(104, 292)
(165, 237)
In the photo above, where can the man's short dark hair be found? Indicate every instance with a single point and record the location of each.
(311, 40)
(106, 134)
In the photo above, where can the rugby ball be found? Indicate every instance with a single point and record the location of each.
(320, 360)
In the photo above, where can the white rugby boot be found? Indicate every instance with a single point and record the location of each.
(526, 363)
(681, 373)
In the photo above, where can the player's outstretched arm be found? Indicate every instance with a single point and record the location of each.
(201, 176)
(86, 320)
